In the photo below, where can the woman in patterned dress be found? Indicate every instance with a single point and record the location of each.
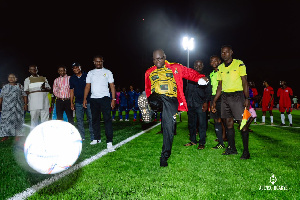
(13, 102)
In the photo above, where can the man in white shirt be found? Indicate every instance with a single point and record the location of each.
(97, 81)
(37, 88)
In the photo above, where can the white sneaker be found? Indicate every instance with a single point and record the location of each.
(126, 120)
(121, 120)
(113, 120)
(95, 142)
(110, 147)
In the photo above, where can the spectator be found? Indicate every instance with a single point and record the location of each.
(124, 105)
(77, 86)
(117, 104)
(136, 106)
(97, 81)
(37, 88)
(13, 102)
(197, 98)
(295, 101)
(61, 89)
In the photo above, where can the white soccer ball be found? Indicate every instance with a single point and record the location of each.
(52, 147)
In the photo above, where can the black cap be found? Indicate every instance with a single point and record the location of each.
(75, 64)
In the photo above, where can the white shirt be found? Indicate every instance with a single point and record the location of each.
(37, 100)
(99, 80)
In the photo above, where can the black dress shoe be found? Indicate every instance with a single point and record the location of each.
(163, 162)
(245, 155)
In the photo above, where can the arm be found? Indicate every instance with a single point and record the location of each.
(25, 102)
(246, 91)
(55, 88)
(147, 85)
(113, 95)
(72, 98)
(192, 75)
(217, 96)
(86, 92)
(272, 97)
(291, 93)
(45, 87)
(207, 96)
(1, 99)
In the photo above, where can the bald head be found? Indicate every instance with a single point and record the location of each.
(159, 58)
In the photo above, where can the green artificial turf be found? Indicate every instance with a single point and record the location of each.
(133, 171)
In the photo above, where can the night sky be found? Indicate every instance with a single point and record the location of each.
(264, 34)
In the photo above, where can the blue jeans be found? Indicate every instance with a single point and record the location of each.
(80, 119)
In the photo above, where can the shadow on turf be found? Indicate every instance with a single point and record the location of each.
(267, 138)
(145, 126)
(62, 185)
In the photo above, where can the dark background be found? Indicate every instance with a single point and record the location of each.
(264, 34)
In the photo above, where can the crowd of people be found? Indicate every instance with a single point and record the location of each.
(225, 93)
(221, 95)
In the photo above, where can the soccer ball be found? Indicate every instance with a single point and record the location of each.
(52, 147)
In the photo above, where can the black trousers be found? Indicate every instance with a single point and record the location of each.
(62, 106)
(97, 106)
(197, 117)
(169, 108)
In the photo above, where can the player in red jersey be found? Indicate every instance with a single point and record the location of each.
(255, 96)
(285, 105)
(267, 102)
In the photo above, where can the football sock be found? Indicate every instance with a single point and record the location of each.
(134, 115)
(282, 118)
(271, 117)
(254, 119)
(219, 132)
(230, 137)
(245, 138)
(263, 120)
(290, 118)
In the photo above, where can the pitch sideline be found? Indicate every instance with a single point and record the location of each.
(30, 191)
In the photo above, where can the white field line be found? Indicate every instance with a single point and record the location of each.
(30, 191)
(275, 126)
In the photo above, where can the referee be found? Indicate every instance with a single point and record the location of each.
(233, 84)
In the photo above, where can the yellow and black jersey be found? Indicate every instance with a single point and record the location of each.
(163, 82)
(231, 76)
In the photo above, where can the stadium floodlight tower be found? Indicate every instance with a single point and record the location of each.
(188, 44)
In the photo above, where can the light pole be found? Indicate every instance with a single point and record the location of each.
(188, 44)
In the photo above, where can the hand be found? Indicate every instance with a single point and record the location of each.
(203, 81)
(25, 107)
(213, 107)
(43, 86)
(247, 103)
(204, 107)
(84, 103)
(113, 104)
(72, 106)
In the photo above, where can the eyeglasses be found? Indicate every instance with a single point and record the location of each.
(159, 58)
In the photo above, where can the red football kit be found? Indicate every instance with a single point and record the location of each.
(268, 91)
(255, 93)
(284, 95)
